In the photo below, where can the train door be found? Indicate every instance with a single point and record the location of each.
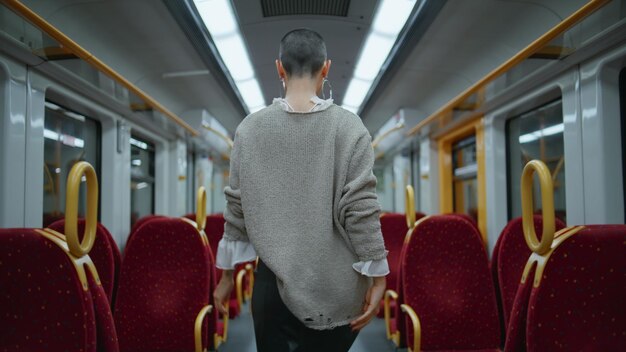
(462, 173)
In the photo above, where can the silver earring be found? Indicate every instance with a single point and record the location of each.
(330, 88)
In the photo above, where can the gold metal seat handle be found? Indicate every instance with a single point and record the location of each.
(409, 207)
(198, 327)
(547, 208)
(80, 248)
(201, 208)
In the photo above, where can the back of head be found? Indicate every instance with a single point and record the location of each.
(302, 52)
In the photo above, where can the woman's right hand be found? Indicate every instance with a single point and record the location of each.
(222, 292)
(372, 303)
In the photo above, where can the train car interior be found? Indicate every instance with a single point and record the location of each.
(498, 134)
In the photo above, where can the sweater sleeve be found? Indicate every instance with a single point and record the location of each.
(235, 226)
(359, 211)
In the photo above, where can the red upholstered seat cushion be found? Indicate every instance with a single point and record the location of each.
(164, 283)
(44, 308)
(104, 254)
(447, 282)
(580, 304)
(511, 259)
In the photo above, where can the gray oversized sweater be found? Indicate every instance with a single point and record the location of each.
(303, 193)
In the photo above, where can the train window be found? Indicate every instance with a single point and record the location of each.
(69, 137)
(536, 134)
(465, 177)
(622, 92)
(142, 186)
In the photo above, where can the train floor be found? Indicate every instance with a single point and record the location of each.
(241, 339)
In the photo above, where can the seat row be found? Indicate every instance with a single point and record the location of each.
(66, 287)
(563, 290)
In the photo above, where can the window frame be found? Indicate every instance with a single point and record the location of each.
(153, 149)
(514, 115)
(77, 109)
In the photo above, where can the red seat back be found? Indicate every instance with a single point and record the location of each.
(139, 223)
(446, 280)
(510, 256)
(579, 302)
(105, 255)
(214, 230)
(46, 307)
(394, 229)
(164, 283)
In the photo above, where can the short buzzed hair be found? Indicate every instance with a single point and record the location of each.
(302, 51)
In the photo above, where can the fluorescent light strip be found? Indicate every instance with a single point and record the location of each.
(548, 131)
(219, 18)
(139, 144)
(390, 18)
(68, 140)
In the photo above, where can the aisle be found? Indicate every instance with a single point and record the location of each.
(241, 336)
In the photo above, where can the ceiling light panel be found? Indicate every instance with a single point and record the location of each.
(219, 19)
(390, 18)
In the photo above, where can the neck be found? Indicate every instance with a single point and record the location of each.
(299, 92)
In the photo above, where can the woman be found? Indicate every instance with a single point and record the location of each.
(302, 196)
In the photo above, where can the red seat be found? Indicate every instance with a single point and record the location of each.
(54, 301)
(571, 294)
(510, 255)
(578, 300)
(394, 317)
(45, 307)
(164, 283)
(244, 271)
(394, 228)
(447, 288)
(104, 254)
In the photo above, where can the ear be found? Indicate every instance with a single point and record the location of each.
(326, 68)
(280, 69)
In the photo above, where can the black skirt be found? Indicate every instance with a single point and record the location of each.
(276, 329)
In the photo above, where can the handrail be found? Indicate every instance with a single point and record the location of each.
(377, 140)
(79, 51)
(529, 50)
(226, 139)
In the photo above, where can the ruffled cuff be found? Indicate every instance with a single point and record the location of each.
(372, 268)
(230, 253)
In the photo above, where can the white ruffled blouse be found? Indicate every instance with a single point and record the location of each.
(230, 253)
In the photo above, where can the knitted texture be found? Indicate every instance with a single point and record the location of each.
(303, 193)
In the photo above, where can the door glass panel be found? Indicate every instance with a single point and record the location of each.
(537, 134)
(141, 178)
(69, 137)
(465, 173)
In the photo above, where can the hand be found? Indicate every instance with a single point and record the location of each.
(221, 295)
(372, 304)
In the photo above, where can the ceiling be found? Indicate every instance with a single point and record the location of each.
(343, 36)
(142, 41)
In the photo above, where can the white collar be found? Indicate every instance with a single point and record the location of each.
(320, 104)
